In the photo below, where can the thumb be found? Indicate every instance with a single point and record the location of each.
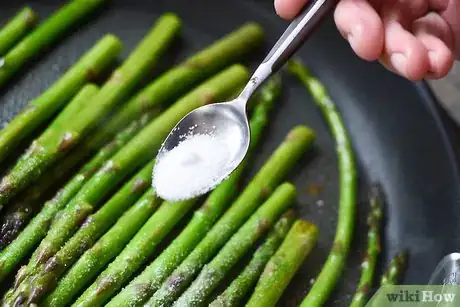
(289, 9)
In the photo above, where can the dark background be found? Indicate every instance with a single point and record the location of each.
(401, 137)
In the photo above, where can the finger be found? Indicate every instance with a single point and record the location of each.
(434, 33)
(450, 11)
(289, 9)
(403, 11)
(438, 5)
(434, 24)
(404, 53)
(360, 24)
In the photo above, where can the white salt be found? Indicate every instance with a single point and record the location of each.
(195, 166)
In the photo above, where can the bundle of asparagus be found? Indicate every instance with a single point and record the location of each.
(100, 229)
(45, 35)
(132, 116)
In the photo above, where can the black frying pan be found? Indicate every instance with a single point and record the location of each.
(399, 134)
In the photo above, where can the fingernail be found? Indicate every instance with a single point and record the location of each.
(354, 34)
(398, 61)
(433, 57)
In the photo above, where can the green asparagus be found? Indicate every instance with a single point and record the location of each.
(373, 248)
(135, 254)
(269, 176)
(53, 144)
(10, 224)
(138, 151)
(26, 206)
(149, 100)
(332, 269)
(45, 35)
(143, 286)
(95, 61)
(247, 279)
(172, 83)
(36, 230)
(195, 230)
(239, 244)
(44, 278)
(395, 269)
(179, 79)
(107, 248)
(17, 28)
(284, 264)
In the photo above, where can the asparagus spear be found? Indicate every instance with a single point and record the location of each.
(139, 150)
(172, 84)
(51, 101)
(176, 81)
(373, 248)
(135, 253)
(269, 176)
(284, 264)
(246, 280)
(17, 28)
(46, 35)
(395, 269)
(36, 230)
(90, 265)
(11, 224)
(22, 211)
(335, 262)
(53, 144)
(215, 271)
(107, 248)
(192, 70)
(44, 278)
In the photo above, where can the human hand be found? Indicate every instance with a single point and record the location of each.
(414, 38)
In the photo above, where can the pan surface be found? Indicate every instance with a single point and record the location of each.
(399, 137)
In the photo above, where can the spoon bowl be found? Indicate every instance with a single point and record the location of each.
(225, 120)
(447, 272)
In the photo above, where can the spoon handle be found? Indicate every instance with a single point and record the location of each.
(291, 40)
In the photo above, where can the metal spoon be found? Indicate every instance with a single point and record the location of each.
(447, 272)
(229, 119)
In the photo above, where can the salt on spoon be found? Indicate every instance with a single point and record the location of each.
(191, 167)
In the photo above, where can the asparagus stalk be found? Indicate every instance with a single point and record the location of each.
(26, 206)
(181, 78)
(12, 224)
(45, 35)
(138, 151)
(36, 230)
(172, 84)
(96, 60)
(335, 262)
(17, 28)
(107, 248)
(395, 269)
(44, 278)
(86, 268)
(284, 264)
(192, 70)
(247, 279)
(135, 253)
(215, 271)
(269, 176)
(373, 248)
(54, 144)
